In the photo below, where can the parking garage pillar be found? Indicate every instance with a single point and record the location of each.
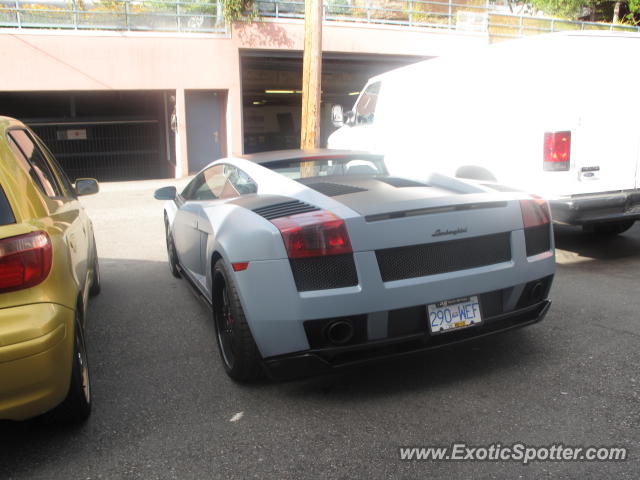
(182, 158)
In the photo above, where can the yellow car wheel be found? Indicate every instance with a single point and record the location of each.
(76, 407)
(95, 280)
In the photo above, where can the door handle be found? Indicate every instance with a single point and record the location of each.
(216, 136)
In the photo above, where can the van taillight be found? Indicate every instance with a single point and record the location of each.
(313, 234)
(557, 151)
(25, 261)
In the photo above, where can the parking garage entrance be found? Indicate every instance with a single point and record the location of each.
(111, 136)
(272, 92)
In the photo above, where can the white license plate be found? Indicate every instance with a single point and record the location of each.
(453, 314)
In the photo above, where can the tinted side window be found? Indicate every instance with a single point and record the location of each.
(62, 176)
(242, 183)
(366, 107)
(219, 181)
(207, 185)
(34, 162)
(6, 214)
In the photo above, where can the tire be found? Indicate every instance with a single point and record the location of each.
(609, 228)
(95, 279)
(76, 407)
(238, 350)
(171, 250)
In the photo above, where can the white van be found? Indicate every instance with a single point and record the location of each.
(556, 115)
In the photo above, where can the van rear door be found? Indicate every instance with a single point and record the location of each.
(606, 141)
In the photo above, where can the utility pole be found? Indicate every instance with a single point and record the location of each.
(311, 77)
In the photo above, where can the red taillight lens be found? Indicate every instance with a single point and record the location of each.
(313, 234)
(535, 212)
(557, 151)
(25, 261)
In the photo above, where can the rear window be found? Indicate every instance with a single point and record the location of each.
(330, 166)
(6, 214)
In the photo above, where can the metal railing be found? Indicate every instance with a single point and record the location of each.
(131, 15)
(206, 15)
(472, 15)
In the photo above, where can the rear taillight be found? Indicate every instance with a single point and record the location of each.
(313, 234)
(25, 261)
(537, 225)
(535, 212)
(557, 151)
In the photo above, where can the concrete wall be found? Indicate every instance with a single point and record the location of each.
(58, 60)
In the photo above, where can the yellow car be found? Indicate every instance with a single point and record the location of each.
(48, 269)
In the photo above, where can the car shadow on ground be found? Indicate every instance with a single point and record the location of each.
(433, 370)
(574, 244)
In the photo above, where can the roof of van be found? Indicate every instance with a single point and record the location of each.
(418, 67)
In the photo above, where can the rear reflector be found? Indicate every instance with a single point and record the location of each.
(535, 212)
(25, 261)
(557, 151)
(313, 234)
(240, 266)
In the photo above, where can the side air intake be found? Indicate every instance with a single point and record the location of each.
(285, 209)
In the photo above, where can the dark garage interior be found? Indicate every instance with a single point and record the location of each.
(272, 92)
(110, 136)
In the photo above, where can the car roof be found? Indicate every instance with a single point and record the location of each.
(8, 122)
(302, 155)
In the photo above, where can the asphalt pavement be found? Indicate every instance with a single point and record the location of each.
(164, 408)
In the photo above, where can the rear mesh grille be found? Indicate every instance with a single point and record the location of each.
(334, 189)
(538, 239)
(285, 209)
(321, 273)
(442, 257)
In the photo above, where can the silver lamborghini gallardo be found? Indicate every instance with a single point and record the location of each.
(314, 261)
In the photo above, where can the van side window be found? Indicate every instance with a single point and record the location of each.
(366, 106)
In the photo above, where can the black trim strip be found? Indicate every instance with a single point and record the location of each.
(428, 211)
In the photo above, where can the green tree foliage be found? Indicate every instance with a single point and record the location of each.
(239, 10)
(634, 12)
(562, 8)
(600, 10)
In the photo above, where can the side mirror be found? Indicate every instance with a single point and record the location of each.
(165, 193)
(86, 186)
(337, 116)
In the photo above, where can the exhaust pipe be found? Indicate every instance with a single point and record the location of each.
(339, 332)
(537, 292)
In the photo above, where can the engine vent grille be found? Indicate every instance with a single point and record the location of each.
(401, 182)
(285, 209)
(442, 257)
(334, 189)
(321, 273)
